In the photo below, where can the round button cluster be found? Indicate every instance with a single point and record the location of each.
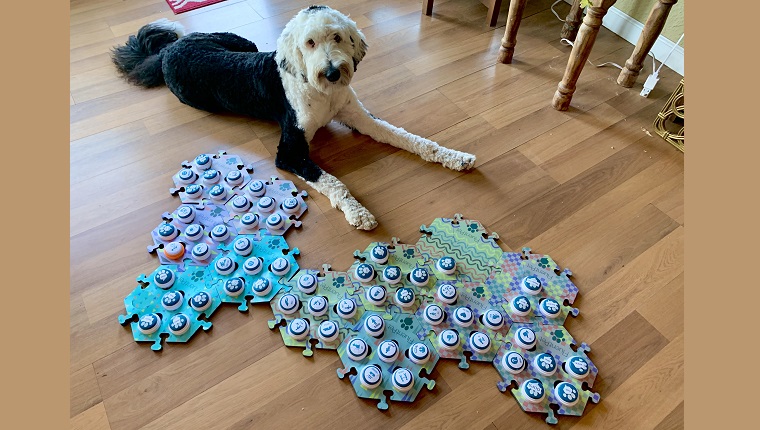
(419, 277)
(262, 287)
(392, 274)
(446, 265)
(379, 254)
(433, 314)
(448, 339)
(370, 376)
(525, 338)
(387, 351)
(357, 349)
(364, 273)
(531, 285)
(328, 331)
(307, 283)
(513, 362)
(447, 293)
(376, 295)
(346, 308)
(374, 325)
(298, 329)
(220, 233)
(403, 379)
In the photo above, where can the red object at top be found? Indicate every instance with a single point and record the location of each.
(180, 6)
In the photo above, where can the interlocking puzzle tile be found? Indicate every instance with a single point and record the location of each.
(552, 350)
(336, 286)
(163, 308)
(513, 267)
(524, 284)
(269, 250)
(400, 328)
(393, 261)
(207, 217)
(454, 336)
(267, 207)
(232, 175)
(306, 310)
(466, 241)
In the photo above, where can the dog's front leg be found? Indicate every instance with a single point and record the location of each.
(354, 115)
(293, 156)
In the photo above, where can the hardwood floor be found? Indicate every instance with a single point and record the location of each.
(594, 187)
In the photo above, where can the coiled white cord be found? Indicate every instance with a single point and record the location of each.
(555, 12)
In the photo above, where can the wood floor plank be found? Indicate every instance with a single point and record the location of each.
(672, 203)
(79, 40)
(657, 388)
(85, 213)
(186, 377)
(674, 420)
(130, 112)
(494, 85)
(85, 392)
(345, 407)
(249, 387)
(623, 350)
(662, 311)
(94, 418)
(97, 82)
(475, 53)
(425, 115)
(624, 291)
(121, 368)
(607, 249)
(106, 10)
(596, 136)
(527, 222)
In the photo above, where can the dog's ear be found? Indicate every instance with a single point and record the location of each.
(359, 44)
(289, 57)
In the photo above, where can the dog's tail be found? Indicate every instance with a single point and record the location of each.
(139, 60)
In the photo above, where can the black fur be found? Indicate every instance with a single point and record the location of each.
(219, 72)
(139, 61)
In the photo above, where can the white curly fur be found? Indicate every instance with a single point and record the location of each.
(310, 43)
(172, 26)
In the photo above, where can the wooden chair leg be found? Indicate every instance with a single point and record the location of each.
(572, 21)
(427, 7)
(649, 35)
(509, 40)
(493, 13)
(579, 55)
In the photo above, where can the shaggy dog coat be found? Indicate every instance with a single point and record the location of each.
(303, 86)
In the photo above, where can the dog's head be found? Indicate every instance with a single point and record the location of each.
(322, 46)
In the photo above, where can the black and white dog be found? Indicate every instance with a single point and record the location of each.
(303, 86)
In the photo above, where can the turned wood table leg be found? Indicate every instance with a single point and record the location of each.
(493, 12)
(509, 40)
(427, 7)
(572, 21)
(580, 53)
(649, 35)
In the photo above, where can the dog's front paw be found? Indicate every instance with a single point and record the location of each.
(359, 217)
(457, 160)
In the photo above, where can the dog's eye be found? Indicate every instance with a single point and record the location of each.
(337, 38)
(310, 42)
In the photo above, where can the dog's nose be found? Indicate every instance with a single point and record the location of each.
(332, 74)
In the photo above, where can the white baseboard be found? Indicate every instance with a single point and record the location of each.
(630, 29)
